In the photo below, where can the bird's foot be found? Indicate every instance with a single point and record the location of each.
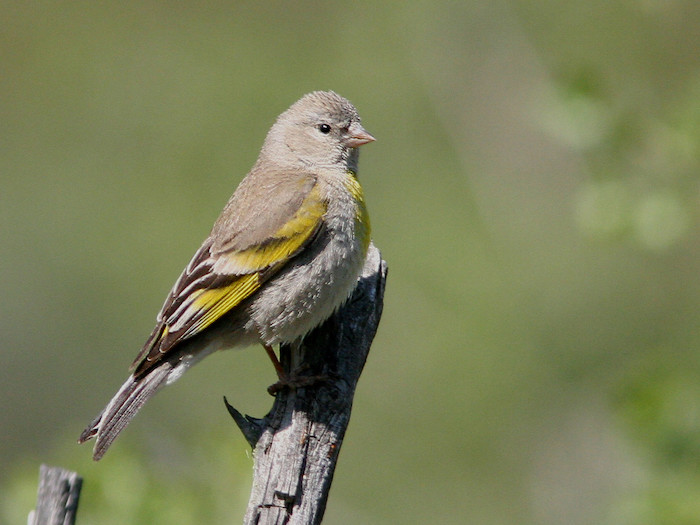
(296, 379)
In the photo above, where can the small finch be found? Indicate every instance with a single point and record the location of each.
(284, 254)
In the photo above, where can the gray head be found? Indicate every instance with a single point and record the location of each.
(321, 129)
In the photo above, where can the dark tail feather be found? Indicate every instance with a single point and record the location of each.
(123, 407)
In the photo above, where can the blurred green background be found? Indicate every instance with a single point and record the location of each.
(534, 189)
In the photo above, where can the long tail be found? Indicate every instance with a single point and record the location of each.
(123, 407)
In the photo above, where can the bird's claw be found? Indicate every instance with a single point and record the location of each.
(296, 380)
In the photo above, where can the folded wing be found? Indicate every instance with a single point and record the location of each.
(235, 260)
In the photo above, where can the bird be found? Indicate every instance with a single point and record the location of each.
(285, 253)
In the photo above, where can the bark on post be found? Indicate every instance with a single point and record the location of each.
(57, 499)
(298, 442)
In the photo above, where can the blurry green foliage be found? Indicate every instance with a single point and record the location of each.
(203, 485)
(659, 405)
(534, 189)
(643, 179)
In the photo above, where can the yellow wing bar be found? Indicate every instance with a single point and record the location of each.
(209, 305)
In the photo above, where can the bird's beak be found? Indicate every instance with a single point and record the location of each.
(357, 136)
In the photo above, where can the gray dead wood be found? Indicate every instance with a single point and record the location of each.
(57, 499)
(296, 445)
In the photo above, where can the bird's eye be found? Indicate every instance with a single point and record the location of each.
(324, 128)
